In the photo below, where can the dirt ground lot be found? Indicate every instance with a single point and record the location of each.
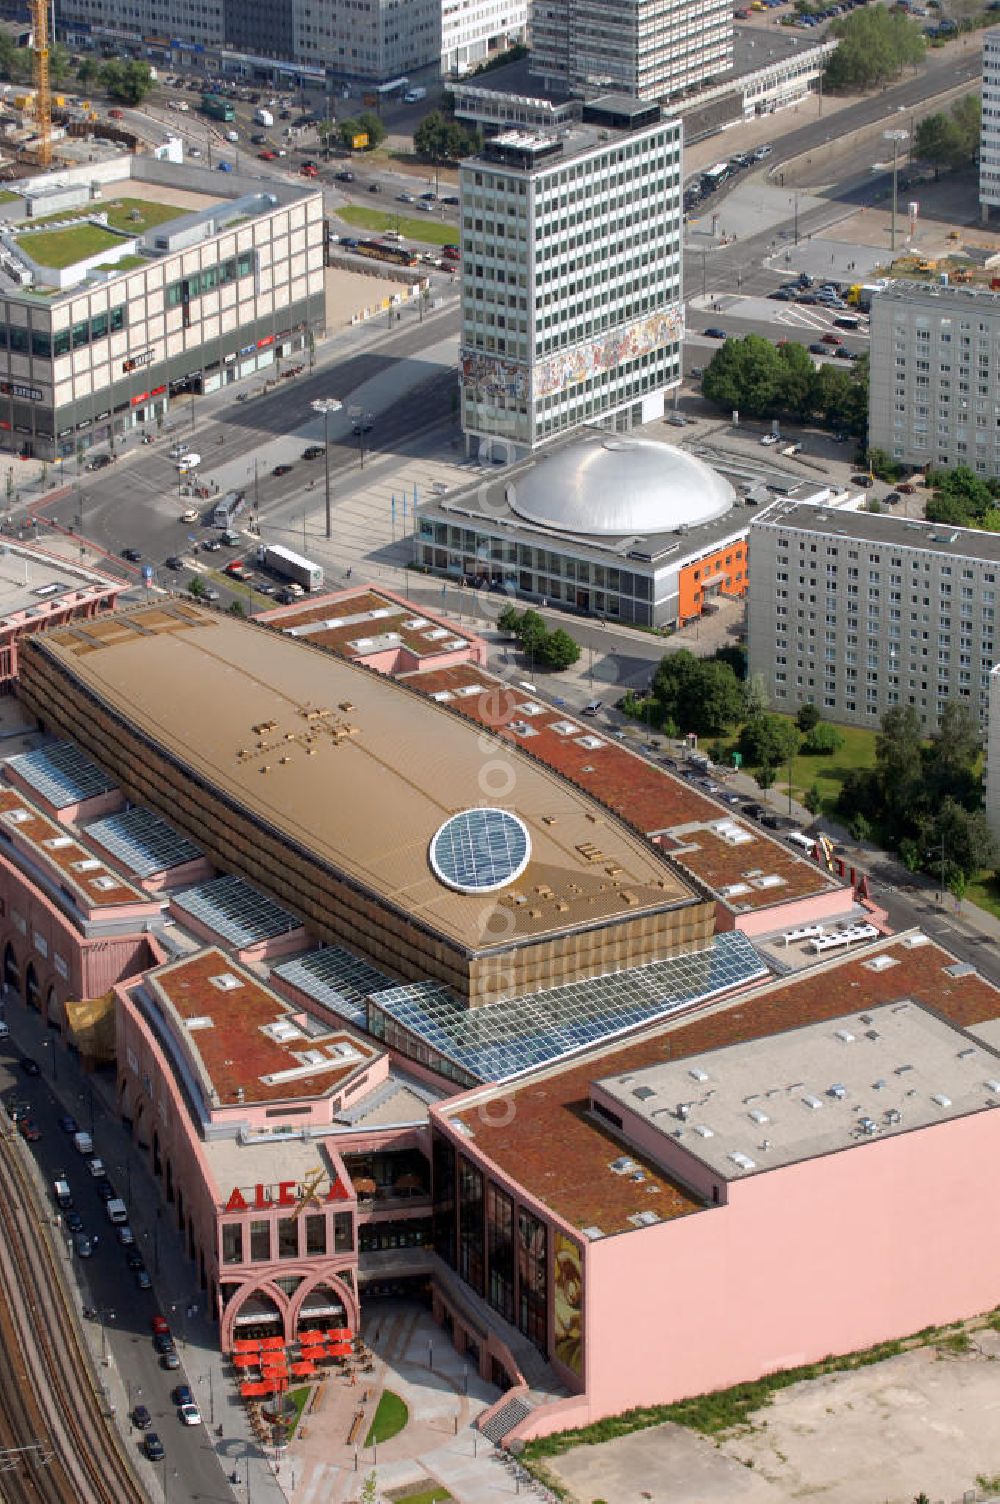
(924, 1421)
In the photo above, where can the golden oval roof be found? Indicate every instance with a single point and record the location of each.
(360, 771)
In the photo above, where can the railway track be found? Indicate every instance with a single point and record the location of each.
(56, 1444)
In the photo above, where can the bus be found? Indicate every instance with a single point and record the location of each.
(228, 508)
(714, 177)
(377, 250)
(217, 107)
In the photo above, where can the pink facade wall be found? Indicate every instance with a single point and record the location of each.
(833, 904)
(829, 1256)
(40, 934)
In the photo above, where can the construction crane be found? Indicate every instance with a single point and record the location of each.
(43, 95)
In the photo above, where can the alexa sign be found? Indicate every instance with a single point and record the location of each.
(287, 1193)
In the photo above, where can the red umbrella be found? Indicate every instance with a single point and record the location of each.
(275, 1371)
(302, 1370)
(309, 1339)
(254, 1390)
(270, 1344)
(339, 1334)
(246, 1345)
(245, 1360)
(339, 1350)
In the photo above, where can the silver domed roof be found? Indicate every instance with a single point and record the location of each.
(614, 485)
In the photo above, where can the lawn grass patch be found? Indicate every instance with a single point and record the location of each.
(984, 892)
(828, 770)
(435, 1495)
(119, 214)
(61, 248)
(299, 1398)
(390, 1418)
(380, 220)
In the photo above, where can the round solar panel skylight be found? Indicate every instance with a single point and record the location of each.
(480, 850)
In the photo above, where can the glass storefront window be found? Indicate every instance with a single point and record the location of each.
(500, 1251)
(288, 1237)
(532, 1275)
(343, 1235)
(260, 1242)
(444, 1199)
(471, 1229)
(232, 1242)
(316, 1234)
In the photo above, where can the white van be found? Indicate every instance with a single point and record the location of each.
(83, 1143)
(802, 841)
(117, 1212)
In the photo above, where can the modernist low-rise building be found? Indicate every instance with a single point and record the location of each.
(148, 280)
(40, 589)
(626, 528)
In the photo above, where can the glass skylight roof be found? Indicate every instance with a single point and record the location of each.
(506, 1039)
(229, 907)
(62, 774)
(335, 978)
(143, 842)
(480, 850)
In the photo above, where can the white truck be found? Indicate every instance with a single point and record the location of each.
(263, 117)
(290, 566)
(83, 1143)
(414, 95)
(117, 1212)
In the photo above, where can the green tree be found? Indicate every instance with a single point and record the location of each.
(440, 139)
(796, 393)
(969, 844)
(834, 395)
(808, 716)
(127, 82)
(813, 799)
(768, 741)
(959, 498)
(508, 620)
(745, 374)
(373, 128)
(764, 777)
(735, 654)
(558, 650)
(952, 756)
(822, 738)
(195, 586)
(531, 632)
(674, 672)
(874, 45)
(754, 695)
(718, 702)
(952, 140)
(347, 129)
(60, 64)
(88, 72)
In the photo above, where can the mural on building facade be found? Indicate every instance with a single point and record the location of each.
(490, 376)
(568, 1307)
(570, 367)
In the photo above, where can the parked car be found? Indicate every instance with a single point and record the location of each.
(134, 1259)
(174, 561)
(100, 462)
(715, 333)
(404, 198)
(73, 1220)
(768, 438)
(29, 1131)
(163, 1343)
(170, 1359)
(831, 339)
(313, 452)
(142, 1280)
(83, 1245)
(267, 155)
(133, 555)
(190, 1414)
(892, 498)
(68, 1124)
(280, 470)
(153, 1447)
(817, 349)
(105, 1189)
(374, 187)
(345, 176)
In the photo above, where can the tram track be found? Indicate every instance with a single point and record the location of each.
(57, 1446)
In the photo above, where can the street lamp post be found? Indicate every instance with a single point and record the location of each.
(896, 137)
(326, 406)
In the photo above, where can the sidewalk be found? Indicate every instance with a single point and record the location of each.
(174, 1275)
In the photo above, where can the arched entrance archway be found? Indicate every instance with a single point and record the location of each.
(32, 991)
(256, 1311)
(157, 1163)
(322, 1302)
(11, 968)
(53, 1010)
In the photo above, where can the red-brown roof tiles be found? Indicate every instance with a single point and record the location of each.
(649, 798)
(559, 1155)
(233, 1049)
(75, 865)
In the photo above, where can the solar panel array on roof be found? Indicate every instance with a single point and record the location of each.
(506, 1039)
(230, 908)
(143, 842)
(62, 774)
(336, 979)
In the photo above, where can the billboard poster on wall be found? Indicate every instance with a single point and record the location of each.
(568, 1305)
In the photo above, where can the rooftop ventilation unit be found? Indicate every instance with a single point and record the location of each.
(940, 1099)
(837, 1090)
(742, 1161)
(813, 1103)
(226, 982)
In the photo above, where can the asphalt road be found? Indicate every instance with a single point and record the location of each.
(111, 1288)
(136, 503)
